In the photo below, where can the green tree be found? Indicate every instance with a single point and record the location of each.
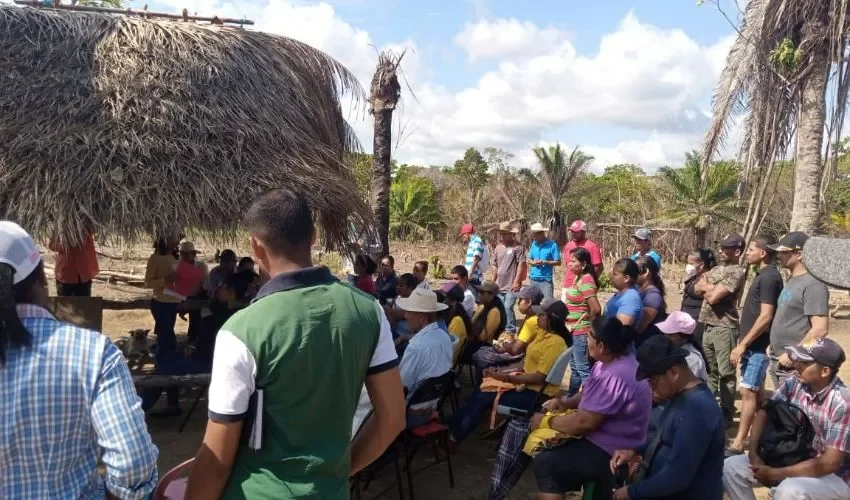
(557, 172)
(702, 195)
(361, 165)
(470, 172)
(414, 212)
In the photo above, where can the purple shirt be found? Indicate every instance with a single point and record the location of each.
(613, 391)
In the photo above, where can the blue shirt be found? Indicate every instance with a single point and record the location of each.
(688, 462)
(476, 248)
(626, 302)
(651, 253)
(547, 251)
(428, 355)
(66, 399)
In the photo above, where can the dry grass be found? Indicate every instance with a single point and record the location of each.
(139, 127)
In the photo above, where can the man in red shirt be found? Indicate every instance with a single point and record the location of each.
(75, 267)
(578, 234)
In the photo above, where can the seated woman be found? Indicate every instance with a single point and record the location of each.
(613, 410)
(457, 321)
(679, 327)
(550, 341)
(488, 322)
(625, 305)
(364, 268)
(245, 264)
(651, 288)
(513, 347)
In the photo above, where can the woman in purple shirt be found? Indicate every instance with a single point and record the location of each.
(612, 412)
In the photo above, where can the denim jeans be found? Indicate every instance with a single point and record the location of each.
(546, 287)
(164, 316)
(579, 365)
(478, 406)
(509, 300)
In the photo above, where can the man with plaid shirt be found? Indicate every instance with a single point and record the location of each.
(68, 397)
(825, 400)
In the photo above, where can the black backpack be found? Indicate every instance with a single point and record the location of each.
(788, 435)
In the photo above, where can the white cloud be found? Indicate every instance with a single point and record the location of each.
(654, 81)
(503, 38)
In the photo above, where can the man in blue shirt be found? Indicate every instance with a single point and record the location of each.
(543, 255)
(643, 246)
(686, 460)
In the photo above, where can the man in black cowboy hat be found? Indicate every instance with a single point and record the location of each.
(683, 458)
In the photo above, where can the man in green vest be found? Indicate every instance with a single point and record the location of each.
(287, 374)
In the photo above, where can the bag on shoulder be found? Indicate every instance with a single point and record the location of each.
(787, 436)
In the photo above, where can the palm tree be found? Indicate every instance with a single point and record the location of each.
(385, 93)
(413, 209)
(557, 172)
(702, 195)
(777, 74)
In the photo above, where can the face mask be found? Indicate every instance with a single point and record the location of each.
(690, 270)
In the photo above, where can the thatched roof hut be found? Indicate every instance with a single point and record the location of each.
(137, 127)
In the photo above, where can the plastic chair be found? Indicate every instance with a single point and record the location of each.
(172, 486)
(554, 377)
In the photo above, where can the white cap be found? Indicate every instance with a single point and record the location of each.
(18, 250)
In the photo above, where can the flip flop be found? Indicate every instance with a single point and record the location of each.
(828, 260)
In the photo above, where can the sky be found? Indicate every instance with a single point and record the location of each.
(624, 80)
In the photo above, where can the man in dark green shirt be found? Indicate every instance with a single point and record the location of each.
(288, 371)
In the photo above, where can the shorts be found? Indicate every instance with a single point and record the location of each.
(754, 370)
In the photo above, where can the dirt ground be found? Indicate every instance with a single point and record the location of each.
(475, 459)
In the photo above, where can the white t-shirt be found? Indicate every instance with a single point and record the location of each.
(469, 302)
(234, 370)
(696, 363)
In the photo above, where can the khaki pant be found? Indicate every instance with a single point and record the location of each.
(738, 481)
(718, 342)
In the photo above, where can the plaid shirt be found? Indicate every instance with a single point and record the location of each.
(475, 249)
(66, 400)
(829, 413)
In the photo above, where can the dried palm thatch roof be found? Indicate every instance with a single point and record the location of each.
(137, 127)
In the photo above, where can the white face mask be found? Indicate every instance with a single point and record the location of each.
(690, 271)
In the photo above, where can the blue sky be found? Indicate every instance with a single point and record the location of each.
(626, 80)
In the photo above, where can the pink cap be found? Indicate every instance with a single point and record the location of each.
(677, 322)
(578, 225)
(467, 229)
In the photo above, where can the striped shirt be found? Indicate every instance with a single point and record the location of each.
(476, 248)
(66, 400)
(578, 317)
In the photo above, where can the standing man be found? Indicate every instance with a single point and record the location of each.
(477, 257)
(578, 235)
(543, 255)
(643, 246)
(802, 311)
(461, 277)
(68, 397)
(301, 351)
(721, 288)
(510, 269)
(75, 267)
(756, 318)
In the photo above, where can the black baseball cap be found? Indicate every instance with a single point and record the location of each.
(791, 241)
(732, 240)
(552, 307)
(531, 293)
(656, 355)
(823, 351)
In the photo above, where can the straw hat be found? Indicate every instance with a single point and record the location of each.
(421, 300)
(187, 247)
(506, 227)
(538, 228)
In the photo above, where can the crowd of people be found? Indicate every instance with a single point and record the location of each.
(311, 376)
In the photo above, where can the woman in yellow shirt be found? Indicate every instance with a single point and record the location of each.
(159, 274)
(549, 343)
(489, 319)
(457, 320)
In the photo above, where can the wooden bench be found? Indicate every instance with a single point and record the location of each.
(200, 381)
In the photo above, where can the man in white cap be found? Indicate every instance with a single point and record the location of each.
(68, 396)
(578, 235)
(543, 255)
(429, 353)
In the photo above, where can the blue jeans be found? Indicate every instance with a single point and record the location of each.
(546, 287)
(164, 316)
(479, 404)
(509, 299)
(579, 365)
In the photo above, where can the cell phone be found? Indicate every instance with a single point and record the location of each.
(621, 475)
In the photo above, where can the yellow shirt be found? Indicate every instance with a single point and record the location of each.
(458, 329)
(541, 355)
(529, 330)
(491, 326)
(160, 266)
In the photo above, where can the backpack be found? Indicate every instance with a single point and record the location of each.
(788, 435)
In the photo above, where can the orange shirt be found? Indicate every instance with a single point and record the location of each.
(76, 264)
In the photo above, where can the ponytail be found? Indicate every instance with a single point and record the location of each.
(12, 331)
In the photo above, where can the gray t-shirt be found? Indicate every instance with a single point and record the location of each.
(803, 296)
(507, 261)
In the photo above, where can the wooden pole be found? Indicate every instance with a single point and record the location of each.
(140, 13)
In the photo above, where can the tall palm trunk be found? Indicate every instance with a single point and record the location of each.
(805, 212)
(384, 95)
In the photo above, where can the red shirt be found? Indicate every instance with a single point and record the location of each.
(366, 284)
(595, 257)
(189, 278)
(76, 264)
